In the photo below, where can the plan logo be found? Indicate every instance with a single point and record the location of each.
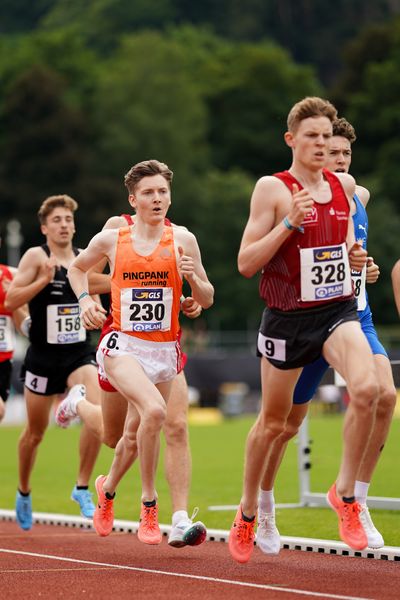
(329, 291)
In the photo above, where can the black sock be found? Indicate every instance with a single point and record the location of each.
(110, 496)
(247, 519)
(24, 494)
(150, 504)
(348, 500)
(82, 487)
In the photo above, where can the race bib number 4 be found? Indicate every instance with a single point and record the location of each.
(7, 336)
(144, 309)
(64, 325)
(359, 279)
(325, 273)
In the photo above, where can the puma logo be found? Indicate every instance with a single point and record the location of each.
(363, 228)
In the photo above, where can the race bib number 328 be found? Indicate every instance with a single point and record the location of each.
(325, 273)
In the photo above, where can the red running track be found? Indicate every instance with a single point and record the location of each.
(50, 563)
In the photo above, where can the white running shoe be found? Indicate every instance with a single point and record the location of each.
(375, 539)
(66, 412)
(187, 533)
(268, 538)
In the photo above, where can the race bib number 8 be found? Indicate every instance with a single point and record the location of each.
(359, 287)
(64, 324)
(7, 339)
(325, 273)
(146, 309)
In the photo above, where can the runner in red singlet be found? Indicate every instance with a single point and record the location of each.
(300, 235)
(8, 321)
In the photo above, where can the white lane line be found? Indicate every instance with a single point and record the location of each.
(187, 576)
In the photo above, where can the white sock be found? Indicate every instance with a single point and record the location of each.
(179, 515)
(74, 400)
(266, 501)
(361, 491)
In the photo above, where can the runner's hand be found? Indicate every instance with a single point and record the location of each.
(373, 271)
(301, 205)
(48, 268)
(190, 308)
(357, 257)
(92, 314)
(185, 265)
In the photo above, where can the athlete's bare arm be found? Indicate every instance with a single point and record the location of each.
(103, 245)
(35, 271)
(357, 254)
(99, 282)
(363, 194)
(191, 267)
(265, 232)
(396, 284)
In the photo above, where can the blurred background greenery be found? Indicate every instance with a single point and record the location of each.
(90, 88)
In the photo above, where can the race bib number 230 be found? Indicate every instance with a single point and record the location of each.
(146, 309)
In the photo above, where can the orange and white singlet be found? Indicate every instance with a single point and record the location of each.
(146, 290)
(7, 332)
(145, 305)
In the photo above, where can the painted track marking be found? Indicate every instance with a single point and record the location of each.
(261, 586)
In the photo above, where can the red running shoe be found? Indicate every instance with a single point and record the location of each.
(103, 518)
(149, 530)
(351, 530)
(241, 538)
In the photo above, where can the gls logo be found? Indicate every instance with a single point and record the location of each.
(68, 310)
(335, 253)
(147, 295)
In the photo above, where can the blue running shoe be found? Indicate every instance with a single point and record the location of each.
(23, 511)
(84, 499)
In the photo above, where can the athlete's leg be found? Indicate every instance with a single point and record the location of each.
(348, 351)
(293, 423)
(177, 453)
(38, 410)
(277, 393)
(126, 448)
(383, 418)
(150, 404)
(114, 408)
(90, 413)
(2, 408)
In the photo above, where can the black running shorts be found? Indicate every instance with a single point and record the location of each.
(293, 339)
(5, 379)
(45, 371)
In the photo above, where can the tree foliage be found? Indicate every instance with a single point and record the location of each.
(88, 89)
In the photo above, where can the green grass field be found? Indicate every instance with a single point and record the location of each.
(217, 474)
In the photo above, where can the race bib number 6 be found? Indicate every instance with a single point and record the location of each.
(325, 273)
(146, 309)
